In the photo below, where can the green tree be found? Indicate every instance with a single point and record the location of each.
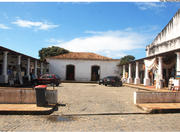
(51, 51)
(124, 60)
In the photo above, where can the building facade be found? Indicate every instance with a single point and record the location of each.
(82, 66)
(162, 62)
(15, 67)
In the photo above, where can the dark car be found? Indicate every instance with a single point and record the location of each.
(101, 81)
(112, 80)
(48, 79)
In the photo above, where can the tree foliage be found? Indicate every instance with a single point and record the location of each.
(124, 60)
(51, 51)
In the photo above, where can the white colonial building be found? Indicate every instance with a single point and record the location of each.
(83, 66)
(162, 62)
(16, 67)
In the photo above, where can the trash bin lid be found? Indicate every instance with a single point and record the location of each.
(41, 86)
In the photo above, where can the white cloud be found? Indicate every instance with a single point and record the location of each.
(150, 5)
(36, 25)
(2, 26)
(52, 40)
(109, 43)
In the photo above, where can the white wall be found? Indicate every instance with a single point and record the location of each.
(82, 68)
(164, 47)
(168, 39)
(171, 31)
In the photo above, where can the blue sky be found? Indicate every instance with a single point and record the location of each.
(110, 29)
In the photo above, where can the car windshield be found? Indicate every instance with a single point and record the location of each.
(113, 77)
(44, 76)
(110, 77)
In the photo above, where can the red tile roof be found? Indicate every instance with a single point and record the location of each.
(81, 56)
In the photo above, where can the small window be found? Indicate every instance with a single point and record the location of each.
(57, 77)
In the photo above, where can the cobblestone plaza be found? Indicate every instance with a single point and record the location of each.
(92, 107)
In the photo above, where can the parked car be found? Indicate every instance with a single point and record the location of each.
(48, 79)
(112, 80)
(101, 81)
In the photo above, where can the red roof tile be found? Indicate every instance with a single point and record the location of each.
(81, 56)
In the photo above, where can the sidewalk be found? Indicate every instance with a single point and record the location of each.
(160, 107)
(147, 88)
(28, 109)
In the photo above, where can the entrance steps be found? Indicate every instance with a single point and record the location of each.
(147, 88)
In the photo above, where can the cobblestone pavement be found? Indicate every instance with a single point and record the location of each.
(91, 107)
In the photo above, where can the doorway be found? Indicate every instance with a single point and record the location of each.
(0, 69)
(95, 73)
(70, 72)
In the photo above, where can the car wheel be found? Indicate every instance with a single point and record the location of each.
(57, 84)
(120, 84)
(52, 84)
(105, 84)
(116, 84)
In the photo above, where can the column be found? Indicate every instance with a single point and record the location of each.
(35, 68)
(124, 71)
(19, 59)
(41, 68)
(160, 68)
(5, 66)
(178, 64)
(177, 80)
(159, 82)
(146, 78)
(28, 69)
(137, 79)
(19, 69)
(129, 76)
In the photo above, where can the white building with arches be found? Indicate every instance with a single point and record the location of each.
(83, 66)
(161, 66)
